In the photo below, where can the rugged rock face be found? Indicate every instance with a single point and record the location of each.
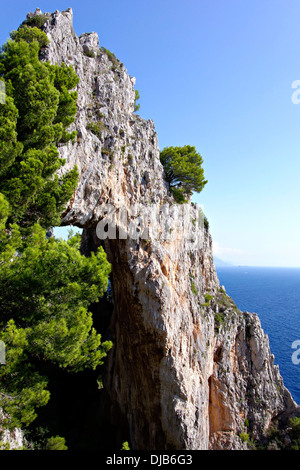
(12, 440)
(188, 370)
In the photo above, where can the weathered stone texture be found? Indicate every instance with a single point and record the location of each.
(185, 372)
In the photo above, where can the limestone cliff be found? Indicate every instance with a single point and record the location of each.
(188, 370)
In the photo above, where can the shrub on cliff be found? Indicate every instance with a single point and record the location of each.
(295, 433)
(37, 21)
(56, 443)
(137, 97)
(183, 170)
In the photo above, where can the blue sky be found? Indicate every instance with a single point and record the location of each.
(217, 75)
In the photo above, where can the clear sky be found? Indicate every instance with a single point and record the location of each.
(216, 74)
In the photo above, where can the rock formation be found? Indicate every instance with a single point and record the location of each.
(188, 370)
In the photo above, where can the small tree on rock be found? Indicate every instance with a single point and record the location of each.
(183, 170)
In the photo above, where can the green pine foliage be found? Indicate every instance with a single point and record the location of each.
(112, 57)
(40, 106)
(56, 443)
(137, 97)
(30, 34)
(10, 148)
(37, 21)
(125, 446)
(295, 433)
(46, 285)
(183, 171)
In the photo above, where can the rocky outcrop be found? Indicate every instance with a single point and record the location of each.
(10, 439)
(188, 370)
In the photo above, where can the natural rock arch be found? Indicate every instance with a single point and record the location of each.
(162, 374)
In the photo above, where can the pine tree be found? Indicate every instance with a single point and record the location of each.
(38, 110)
(183, 171)
(46, 285)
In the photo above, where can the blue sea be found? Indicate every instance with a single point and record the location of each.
(274, 294)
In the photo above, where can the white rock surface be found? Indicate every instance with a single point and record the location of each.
(180, 378)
